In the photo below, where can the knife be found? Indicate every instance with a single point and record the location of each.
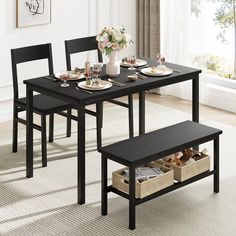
(83, 90)
(51, 78)
(116, 83)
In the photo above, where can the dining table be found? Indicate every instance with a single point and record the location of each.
(80, 99)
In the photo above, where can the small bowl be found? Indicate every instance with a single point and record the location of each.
(132, 77)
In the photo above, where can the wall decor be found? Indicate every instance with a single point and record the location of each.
(33, 12)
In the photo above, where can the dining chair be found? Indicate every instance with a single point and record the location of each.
(79, 45)
(42, 104)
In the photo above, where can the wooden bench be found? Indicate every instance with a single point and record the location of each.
(152, 146)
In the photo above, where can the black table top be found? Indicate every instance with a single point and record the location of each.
(70, 94)
(159, 143)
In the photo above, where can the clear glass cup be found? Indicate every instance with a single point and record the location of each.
(64, 76)
(97, 69)
(131, 60)
(160, 60)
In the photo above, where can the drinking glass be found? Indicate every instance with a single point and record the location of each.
(97, 68)
(64, 76)
(160, 60)
(131, 60)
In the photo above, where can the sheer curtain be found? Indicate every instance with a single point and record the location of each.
(175, 37)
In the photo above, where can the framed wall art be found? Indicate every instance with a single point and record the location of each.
(33, 12)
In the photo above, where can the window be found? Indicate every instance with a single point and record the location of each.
(192, 34)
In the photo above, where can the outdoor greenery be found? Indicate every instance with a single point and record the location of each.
(225, 17)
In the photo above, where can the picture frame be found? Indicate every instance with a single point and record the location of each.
(32, 12)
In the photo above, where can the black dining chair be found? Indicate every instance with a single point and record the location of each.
(89, 44)
(42, 104)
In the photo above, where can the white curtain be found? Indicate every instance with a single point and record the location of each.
(175, 37)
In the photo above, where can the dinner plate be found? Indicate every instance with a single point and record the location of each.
(103, 85)
(139, 62)
(73, 75)
(154, 71)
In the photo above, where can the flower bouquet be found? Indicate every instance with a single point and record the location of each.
(111, 41)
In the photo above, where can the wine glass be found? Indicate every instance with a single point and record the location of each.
(64, 76)
(131, 61)
(160, 60)
(97, 68)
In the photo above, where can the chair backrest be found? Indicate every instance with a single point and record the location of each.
(26, 54)
(81, 45)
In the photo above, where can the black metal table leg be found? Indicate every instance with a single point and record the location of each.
(104, 185)
(141, 113)
(29, 136)
(195, 99)
(99, 109)
(81, 154)
(216, 165)
(131, 197)
(68, 123)
(131, 116)
(195, 102)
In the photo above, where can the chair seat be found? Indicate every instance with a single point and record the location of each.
(45, 104)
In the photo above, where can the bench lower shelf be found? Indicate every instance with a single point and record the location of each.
(163, 191)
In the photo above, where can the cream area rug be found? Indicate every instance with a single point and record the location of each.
(47, 203)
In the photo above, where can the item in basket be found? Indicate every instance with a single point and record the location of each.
(144, 173)
(185, 157)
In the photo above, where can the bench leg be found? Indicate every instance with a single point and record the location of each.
(104, 186)
(216, 166)
(131, 198)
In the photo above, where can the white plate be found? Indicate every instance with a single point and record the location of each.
(138, 63)
(73, 75)
(104, 85)
(154, 71)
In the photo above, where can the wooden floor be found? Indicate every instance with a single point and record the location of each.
(206, 112)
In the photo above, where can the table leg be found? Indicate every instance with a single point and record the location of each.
(141, 113)
(131, 116)
(29, 131)
(195, 99)
(216, 166)
(81, 154)
(104, 185)
(99, 111)
(131, 198)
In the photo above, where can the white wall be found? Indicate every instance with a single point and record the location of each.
(70, 19)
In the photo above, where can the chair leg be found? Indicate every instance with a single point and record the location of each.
(51, 127)
(131, 116)
(44, 140)
(15, 129)
(68, 128)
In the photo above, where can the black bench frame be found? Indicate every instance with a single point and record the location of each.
(133, 202)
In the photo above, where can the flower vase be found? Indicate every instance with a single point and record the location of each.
(113, 66)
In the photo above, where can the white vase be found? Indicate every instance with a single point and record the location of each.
(113, 66)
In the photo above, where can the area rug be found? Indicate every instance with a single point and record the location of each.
(47, 203)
